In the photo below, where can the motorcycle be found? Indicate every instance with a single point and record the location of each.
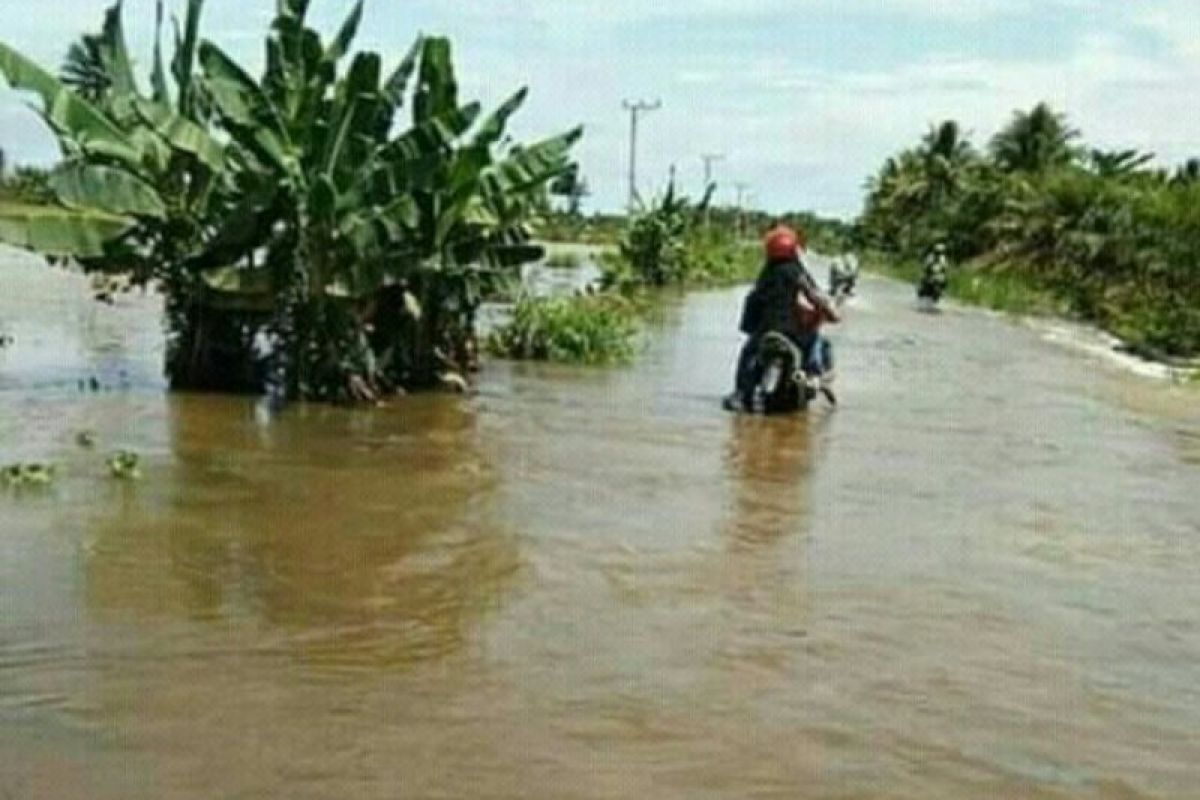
(785, 383)
(930, 290)
(843, 278)
(842, 285)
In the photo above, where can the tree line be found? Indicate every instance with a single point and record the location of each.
(1112, 236)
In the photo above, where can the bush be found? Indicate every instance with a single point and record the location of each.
(586, 329)
(564, 259)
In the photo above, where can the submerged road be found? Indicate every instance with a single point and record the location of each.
(974, 579)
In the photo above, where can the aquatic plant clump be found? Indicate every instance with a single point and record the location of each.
(587, 329)
(23, 475)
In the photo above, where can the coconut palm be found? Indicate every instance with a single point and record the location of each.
(1035, 141)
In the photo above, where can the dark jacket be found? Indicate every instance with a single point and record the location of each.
(771, 304)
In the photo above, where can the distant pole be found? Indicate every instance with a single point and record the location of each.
(741, 189)
(709, 159)
(635, 109)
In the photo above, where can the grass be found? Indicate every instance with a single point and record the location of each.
(586, 329)
(975, 284)
(564, 259)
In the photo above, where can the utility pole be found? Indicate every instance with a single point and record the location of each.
(635, 110)
(742, 195)
(709, 159)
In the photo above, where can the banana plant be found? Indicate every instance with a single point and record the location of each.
(297, 205)
(379, 227)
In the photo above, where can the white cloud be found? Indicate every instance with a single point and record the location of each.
(803, 131)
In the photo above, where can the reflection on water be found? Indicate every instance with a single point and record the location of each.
(595, 584)
(356, 539)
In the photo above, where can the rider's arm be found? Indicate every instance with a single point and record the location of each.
(811, 297)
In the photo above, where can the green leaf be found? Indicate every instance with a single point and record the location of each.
(397, 83)
(184, 61)
(55, 231)
(437, 88)
(493, 127)
(182, 134)
(341, 43)
(255, 121)
(158, 74)
(116, 54)
(65, 111)
(86, 186)
(534, 165)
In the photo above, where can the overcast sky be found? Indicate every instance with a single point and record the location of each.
(806, 97)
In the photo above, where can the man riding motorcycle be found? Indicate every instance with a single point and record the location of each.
(785, 300)
(935, 275)
(843, 275)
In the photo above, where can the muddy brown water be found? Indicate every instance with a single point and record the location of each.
(975, 579)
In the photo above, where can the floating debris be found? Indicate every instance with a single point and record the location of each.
(18, 476)
(124, 465)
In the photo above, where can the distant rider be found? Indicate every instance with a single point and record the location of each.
(843, 275)
(935, 274)
(785, 299)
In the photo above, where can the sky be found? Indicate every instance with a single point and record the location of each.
(805, 98)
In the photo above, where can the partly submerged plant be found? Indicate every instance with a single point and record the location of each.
(21, 475)
(293, 209)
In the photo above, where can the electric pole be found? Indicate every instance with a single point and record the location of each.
(709, 159)
(742, 195)
(635, 109)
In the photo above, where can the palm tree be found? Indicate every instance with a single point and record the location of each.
(1035, 141)
(1117, 163)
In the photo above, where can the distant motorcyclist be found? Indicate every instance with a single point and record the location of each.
(935, 274)
(785, 299)
(843, 275)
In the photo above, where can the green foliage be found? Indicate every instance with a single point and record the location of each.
(586, 329)
(675, 243)
(564, 259)
(654, 243)
(295, 207)
(1035, 141)
(1039, 226)
(24, 475)
(125, 465)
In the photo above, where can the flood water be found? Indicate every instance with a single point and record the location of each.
(976, 579)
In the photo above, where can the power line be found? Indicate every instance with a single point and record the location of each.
(636, 109)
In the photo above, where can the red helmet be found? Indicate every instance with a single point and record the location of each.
(782, 243)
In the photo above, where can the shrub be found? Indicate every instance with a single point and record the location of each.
(585, 329)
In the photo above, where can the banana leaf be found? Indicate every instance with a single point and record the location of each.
(65, 111)
(184, 61)
(158, 73)
(183, 134)
(115, 54)
(84, 186)
(57, 231)
(437, 88)
(345, 36)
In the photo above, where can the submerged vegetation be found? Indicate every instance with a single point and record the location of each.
(584, 329)
(672, 242)
(22, 475)
(1041, 220)
(305, 238)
